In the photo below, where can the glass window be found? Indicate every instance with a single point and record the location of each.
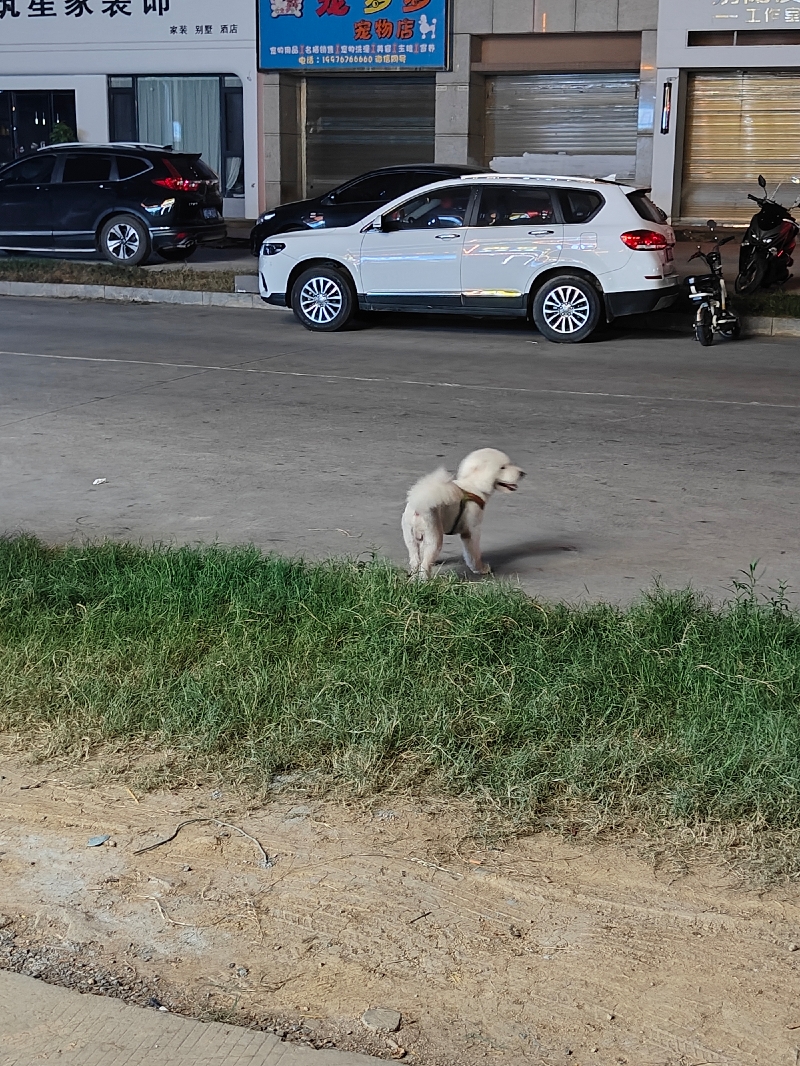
(515, 205)
(86, 167)
(184, 112)
(381, 188)
(645, 208)
(187, 166)
(129, 166)
(440, 209)
(580, 205)
(33, 171)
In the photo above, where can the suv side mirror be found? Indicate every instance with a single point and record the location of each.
(389, 225)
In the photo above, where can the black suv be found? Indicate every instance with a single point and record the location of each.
(354, 200)
(124, 200)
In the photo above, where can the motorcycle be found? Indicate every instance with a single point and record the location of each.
(708, 291)
(767, 246)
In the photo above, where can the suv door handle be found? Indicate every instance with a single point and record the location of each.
(447, 236)
(540, 232)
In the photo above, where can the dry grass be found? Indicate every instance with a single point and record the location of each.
(73, 272)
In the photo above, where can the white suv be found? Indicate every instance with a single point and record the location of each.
(566, 252)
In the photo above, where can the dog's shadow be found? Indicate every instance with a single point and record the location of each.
(503, 559)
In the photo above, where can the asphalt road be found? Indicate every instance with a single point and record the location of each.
(646, 454)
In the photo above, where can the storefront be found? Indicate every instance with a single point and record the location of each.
(179, 72)
(728, 98)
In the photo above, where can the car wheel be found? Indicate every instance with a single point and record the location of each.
(176, 255)
(567, 309)
(323, 299)
(125, 240)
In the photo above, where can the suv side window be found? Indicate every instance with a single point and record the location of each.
(129, 166)
(515, 205)
(580, 205)
(35, 171)
(86, 167)
(440, 209)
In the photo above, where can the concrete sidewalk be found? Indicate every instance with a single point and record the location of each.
(40, 1023)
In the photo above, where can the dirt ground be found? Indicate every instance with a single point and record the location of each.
(541, 951)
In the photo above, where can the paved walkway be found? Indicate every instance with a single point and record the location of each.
(40, 1023)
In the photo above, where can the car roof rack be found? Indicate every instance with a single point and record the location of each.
(107, 145)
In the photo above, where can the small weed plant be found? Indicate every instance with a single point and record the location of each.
(672, 708)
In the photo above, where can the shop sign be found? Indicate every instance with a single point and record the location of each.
(86, 22)
(351, 35)
(740, 13)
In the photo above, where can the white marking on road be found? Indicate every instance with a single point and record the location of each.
(237, 369)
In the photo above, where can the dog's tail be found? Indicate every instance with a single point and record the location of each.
(434, 490)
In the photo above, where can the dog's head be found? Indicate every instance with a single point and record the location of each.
(488, 469)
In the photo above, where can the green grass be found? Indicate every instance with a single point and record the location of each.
(670, 708)
(770, 304)
(73, 272)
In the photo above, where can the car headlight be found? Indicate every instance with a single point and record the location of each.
(266, 217)
(271, 248)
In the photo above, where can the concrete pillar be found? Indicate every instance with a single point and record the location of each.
(460, 108)
(269, 114)
(647, 107)
(668, 147)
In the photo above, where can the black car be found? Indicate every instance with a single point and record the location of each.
(124, 200)
(348, 203)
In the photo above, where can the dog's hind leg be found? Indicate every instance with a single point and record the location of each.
(430, 549)
(413, 541)
(471, 550)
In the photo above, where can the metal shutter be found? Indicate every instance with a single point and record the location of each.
(739, 124)
(548, 114)
(357, 124)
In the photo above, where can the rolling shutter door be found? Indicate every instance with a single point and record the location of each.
(551, 114)
(739, 124)
(357, 124)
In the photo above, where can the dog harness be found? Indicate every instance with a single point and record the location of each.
(465, 499)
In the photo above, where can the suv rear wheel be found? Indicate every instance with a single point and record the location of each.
(125, 240)
(567, 309)
(323, 299)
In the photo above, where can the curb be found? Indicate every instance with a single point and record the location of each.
(755, 326)
(128, 294)
(662, 320)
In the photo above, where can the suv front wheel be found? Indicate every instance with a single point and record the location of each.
(323, 299)
(125, 240)
(567, 309)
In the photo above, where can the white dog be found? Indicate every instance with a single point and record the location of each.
(440, 505)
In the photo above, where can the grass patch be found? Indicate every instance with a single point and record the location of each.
(769, 304)
(670, 708)
(73, 272)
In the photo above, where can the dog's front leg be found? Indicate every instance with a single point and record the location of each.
(471, 548)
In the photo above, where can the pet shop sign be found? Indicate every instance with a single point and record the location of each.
(351, 35)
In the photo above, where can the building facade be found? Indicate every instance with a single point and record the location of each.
(694, 99)
(547, 86)
(728, 105)
(180, 72)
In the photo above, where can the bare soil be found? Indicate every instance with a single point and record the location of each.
(540, 950)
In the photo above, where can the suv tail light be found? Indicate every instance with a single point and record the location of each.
(644, 240)
(178, 184)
